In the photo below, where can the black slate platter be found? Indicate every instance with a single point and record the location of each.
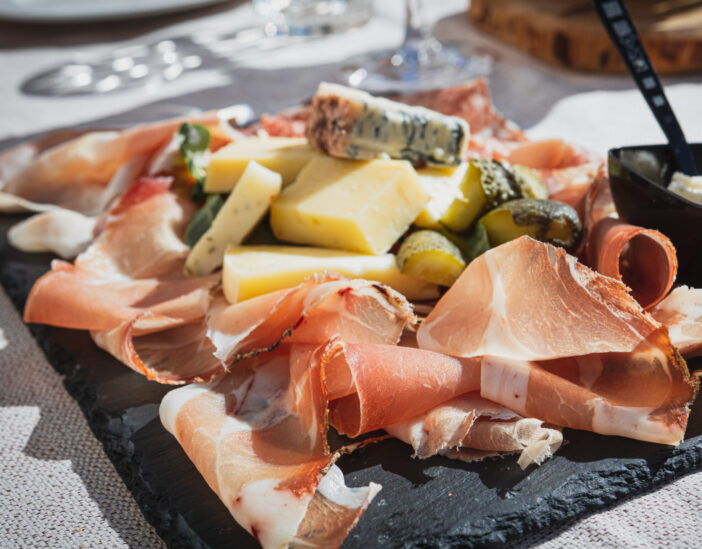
(431, 503)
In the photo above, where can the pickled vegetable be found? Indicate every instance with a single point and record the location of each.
(531, 185)
(544, 220)
(472, 244)
(487, 184)
(431, 256)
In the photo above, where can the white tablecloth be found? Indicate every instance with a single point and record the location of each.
(58, 487)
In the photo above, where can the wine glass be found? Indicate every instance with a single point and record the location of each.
(422, 62)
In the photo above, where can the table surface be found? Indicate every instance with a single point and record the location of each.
(58, 487)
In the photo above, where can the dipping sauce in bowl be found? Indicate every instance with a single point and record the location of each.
(639, 178)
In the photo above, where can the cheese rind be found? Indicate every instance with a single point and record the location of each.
(443, 186)
(349, 123)
(285, 155)
(359, 206)
(249, 271)
(238, 216)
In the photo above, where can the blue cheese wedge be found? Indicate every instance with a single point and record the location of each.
(238, 216)
(350, 123)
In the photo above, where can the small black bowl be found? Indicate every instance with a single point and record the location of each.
(638, 177)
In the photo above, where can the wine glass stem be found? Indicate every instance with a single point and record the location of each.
(418, 28)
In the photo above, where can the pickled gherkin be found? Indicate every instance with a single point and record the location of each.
(544, 220)
(487, 184)
(431, 256)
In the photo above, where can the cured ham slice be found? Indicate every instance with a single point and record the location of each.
(370, 386)
(312, 312)
(644, 259)
(642, 395)
(470, 101)
(258, 437)
(76, 173)
(532, 301)
(64, 232)
(548, 154)
(472, 428)
(681, 313)
(594, 360)
(129, 290)
(135, 265)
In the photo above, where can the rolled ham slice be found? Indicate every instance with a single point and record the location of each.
(471, 428)
(258, 437)
(644, 259)
(371, 386)
(681, 313)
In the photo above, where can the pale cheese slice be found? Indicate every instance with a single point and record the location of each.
(239, 215)
(249, 271)
(353, 205)
(285, 155)
(443, 186)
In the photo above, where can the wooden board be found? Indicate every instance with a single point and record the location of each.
(568, 32)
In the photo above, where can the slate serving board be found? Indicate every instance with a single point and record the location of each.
(431, 503)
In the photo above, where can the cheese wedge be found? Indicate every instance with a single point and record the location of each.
(239, 215)
(350, 123)
(359, 206)
(285, 155)
(249, 271)
(443, 186)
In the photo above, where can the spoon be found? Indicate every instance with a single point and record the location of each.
(623, 33)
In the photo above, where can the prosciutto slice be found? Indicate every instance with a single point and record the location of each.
(64, 232)
(129, 284)
(312, 312)
(471, 428)
(75, 171)
(552, 331)
(532, 301)
(258, 437)
(371, 386)
(681, 313)
(644, 259)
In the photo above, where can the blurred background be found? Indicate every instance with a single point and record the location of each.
(549, 63)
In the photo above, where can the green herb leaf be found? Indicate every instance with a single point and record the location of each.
(193, 149)
(202, 220)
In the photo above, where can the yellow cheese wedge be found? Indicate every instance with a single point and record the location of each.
(285, 155)
(443, 186)
(239, 215)
(249, 271)
(354, 205)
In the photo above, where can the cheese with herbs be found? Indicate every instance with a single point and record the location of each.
(249, 271)
(349, 123)
(359, 206)
(238, 216)
(285, 155)
(443, 186)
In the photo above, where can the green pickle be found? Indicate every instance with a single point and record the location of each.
(487, 184)
(431, 256)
